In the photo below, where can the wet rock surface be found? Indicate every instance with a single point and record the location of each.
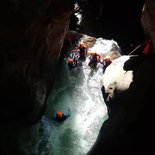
(31, 39)
(130, 100)
(118, 20)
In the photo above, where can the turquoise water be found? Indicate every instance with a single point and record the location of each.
(79, 91)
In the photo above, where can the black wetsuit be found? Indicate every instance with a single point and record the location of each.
(82, 53)
(63, 118)
(93, 62)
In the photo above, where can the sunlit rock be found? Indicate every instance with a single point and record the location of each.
(115, 78)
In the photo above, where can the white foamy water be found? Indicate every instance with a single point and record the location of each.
(103, 46)
(80, 91)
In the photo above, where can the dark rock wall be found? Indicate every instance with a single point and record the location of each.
(32, 34)
(111, 19)
(129, 128)
(31, 38)
(148, 20)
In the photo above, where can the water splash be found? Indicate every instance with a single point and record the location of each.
(80, 91)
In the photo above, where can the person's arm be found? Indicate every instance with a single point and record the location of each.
(99, 56)
(75, 50)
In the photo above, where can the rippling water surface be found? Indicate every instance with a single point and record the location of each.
(79, 91)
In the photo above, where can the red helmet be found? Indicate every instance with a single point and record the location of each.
(70, 60)
(58, 114)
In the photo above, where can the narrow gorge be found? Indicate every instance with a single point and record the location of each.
(34, 38)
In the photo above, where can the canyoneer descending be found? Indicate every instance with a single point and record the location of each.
(148, 47)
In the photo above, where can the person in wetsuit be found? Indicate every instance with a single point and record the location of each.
(82, 49)
(72, 62)
(60, 116)
(106, 62)
(94, 59)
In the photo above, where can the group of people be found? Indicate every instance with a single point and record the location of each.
(80, 53)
